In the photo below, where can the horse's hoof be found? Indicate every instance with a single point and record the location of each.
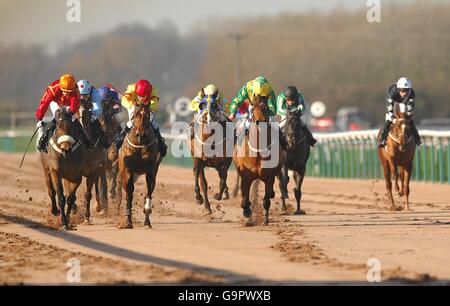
(217, 197)
(87, 222)
(266, 223)
(147, 226)
(226, 196)
(127, 224)
(208, 211)
(64, 228)
(98, 207)
(55, 212)
(199, 200)
(247, 213)
(300, 212)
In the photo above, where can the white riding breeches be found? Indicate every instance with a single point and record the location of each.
(54, 107)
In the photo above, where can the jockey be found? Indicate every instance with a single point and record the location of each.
(254, 88)
(402, 92)
(142, 93)
(209, 90)
(257, 87)
(291, 99)
(62, 92)
(110, 95)
(90, 94)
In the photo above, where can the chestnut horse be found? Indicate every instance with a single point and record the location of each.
(63, 165)
(139, 155)
(95, 161)
(258, 157)
(297, 154)
(398, 153)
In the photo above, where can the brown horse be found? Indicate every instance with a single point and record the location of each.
(257, 157)
(297, 154)
(399, 152)
(107, 185)
(139, 155)
(210, 119)
(95, 163)
(63, 165)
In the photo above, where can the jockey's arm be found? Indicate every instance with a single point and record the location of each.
(154, 102)
(272, 104)
(239, 99)
(281, 104)
(47, 98)
(410, 103)
(390, 104)
(96, 110)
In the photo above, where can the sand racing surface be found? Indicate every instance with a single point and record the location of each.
(346, 223)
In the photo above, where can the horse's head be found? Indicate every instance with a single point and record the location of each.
(260, 109)
(141, 123)
(65, 133)
(209, 107)
(402, 130)
(292, 127)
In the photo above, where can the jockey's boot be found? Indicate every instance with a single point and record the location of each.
(162, 146)
(121, 137)
(384, 134)
(309, 135)
(416, 134)
(84, 136)
(48, 132)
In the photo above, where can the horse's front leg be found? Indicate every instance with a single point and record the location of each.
(204, 186)
(150, 179)
(283, 179)
(299, 177)
(196, 170)
(58, 184)
(407, 178)
(268, 194)
(246, 183)
(128, 186)
(222, 171)
(90, 180)
(51, 192)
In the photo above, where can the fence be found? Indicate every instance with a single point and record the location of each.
(350, 155)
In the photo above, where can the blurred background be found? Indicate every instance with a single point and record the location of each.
(327, 49)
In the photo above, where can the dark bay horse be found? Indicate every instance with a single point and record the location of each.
(297, 154)
(63, 165)
(107, 185)
(207, 151)
(139, 155)
(95, 163)
(398, 153)
(258, 157)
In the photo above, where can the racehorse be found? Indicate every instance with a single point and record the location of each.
(297, 154)
(253, 156)
(95, 163)
(398, 153)
(63, 165)
(211, 119)
(107, 185)
(139, 155)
